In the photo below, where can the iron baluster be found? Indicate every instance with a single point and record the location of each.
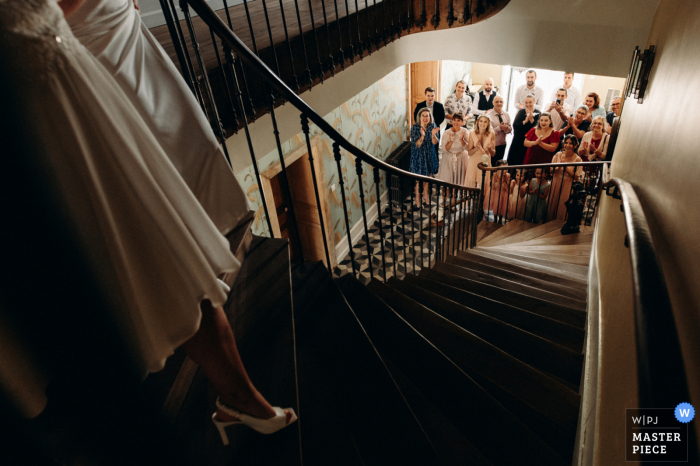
(386, 33)
(303, 44)
(336, 154)
(430, 219)
(379, 218)
(351, 48)
(391, 231)
(284, 180)
(305, 129)
(500, 191)
(177, 45)
(460, 228)
(377, 36)
(537, 200)
(467, 14)
(313, 28)
(216, 124)
(422, 255)
(190, 68)
(413, 232)
(561, 188)
(250, 27)
(370, 40)
(341, 52)
(480, 8)
(360, 44)
(230, 61)
(272, 42)
(423, 20)
(289, 48)
(409, 16)
(223, 75)
(483, 185)
(370, 256)
(488, 208)
(331, 60)
(435, 20)
(451, 18)
(403, 233)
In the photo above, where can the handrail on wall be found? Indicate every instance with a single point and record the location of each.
(221, 29)
(662, 374)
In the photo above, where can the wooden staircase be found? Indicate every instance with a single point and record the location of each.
(477, 360)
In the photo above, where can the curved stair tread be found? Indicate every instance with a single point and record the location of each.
(531, 349)
(573, 270)
(545, 395)
(535, 232)
(552, 257)
(583, 230)
(554, 311)
(523, 268)
(329, 332)
(499, 436)
(557, 332)
(488, 229)
(510, 228)
(522, 277)
(509, 285)
(572, 249)
(561, 240)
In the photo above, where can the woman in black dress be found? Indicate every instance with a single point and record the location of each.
(525, 120)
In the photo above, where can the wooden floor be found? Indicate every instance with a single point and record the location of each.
(275, 11)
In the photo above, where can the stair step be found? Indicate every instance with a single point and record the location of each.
(554, 311)
(382, 426)
(523, 268)
(484, 229)
(572, 249)
(534, 389)
(240, 239)
(552, 257)
(562, 334)
(561, 240)
(532, 233)
(511, 228)
(531, 349)
(576, 292)
(498, 435)
(584, 230)
(508, 285)
(565, 267)
(494, 228)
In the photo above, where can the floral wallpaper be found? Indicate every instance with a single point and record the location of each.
(451, 72)
(375, 121)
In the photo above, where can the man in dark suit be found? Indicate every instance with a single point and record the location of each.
(437, 111)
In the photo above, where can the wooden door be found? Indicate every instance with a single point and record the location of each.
(309, 225)
(423, 74)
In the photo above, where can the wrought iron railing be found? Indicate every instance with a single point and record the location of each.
(444, 236)
(517, 199)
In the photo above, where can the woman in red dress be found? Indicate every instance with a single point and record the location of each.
(541, 141)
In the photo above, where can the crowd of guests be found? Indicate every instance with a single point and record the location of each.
(565, 129)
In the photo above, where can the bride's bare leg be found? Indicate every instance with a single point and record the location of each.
(213, 347)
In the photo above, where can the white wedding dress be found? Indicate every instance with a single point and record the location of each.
(112, 30)
(144, 230)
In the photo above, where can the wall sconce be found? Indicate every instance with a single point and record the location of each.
(638, 76)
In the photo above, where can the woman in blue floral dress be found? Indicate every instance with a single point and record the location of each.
(424, 159)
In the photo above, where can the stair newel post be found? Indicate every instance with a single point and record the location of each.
(272, 42)
(331, 60)
(182, 56)
(216, 124)
(289, 48)
(230, 62)
(305, 129)
(351, 48)
(313, 28)
(420, 220)
(483, 187)
(303, 44)
(403, 232)
(435, 20)
(226, 86)
(370, 256)
(336, 155)
(360, 44)
(379, 218)
(413, 230)
(284, 182)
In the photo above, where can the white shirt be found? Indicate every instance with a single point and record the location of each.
(573, 96)
(557, 120)
(496, 125)
(478, 98)
(523, 92)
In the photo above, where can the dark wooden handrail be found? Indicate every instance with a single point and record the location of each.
(281, 89)
(543, 165)
(662, 377)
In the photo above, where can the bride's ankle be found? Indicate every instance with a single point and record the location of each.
(254, 405)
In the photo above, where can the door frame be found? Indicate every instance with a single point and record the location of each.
(320, 168)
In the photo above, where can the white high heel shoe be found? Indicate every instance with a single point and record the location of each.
(264, 426)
